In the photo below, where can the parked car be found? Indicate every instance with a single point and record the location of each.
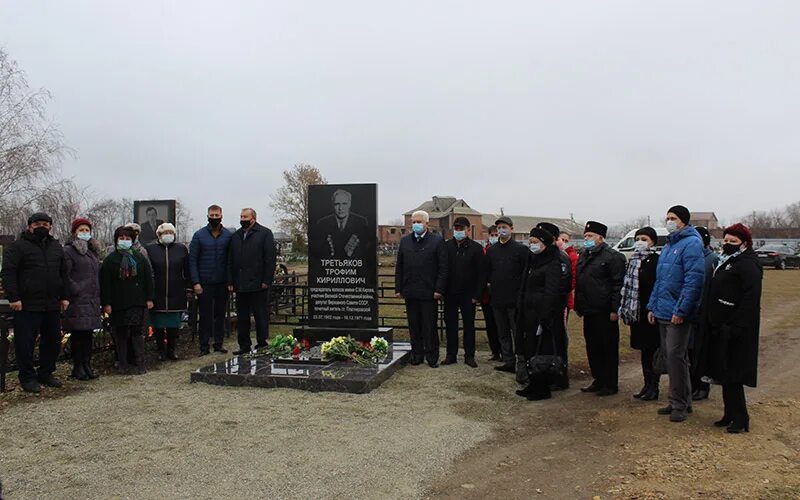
(625, 245)
(778, 256)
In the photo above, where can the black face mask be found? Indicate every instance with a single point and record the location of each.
(41, 232)
(214, 222)
(730, 248)
(245, 223)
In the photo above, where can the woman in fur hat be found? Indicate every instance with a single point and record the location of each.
(82, 317)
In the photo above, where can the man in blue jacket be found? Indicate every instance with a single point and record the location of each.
(208, 265)
(421, 279)
(675, 299)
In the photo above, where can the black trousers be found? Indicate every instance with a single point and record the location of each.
(735, 402)
(491, 329)
(27, 325)
(452, 305)
(506, 331)
(648, 373)
(256, 303)
(129, 343)
(80, 345)
(212, 304)
(422, 329)
(602, 349)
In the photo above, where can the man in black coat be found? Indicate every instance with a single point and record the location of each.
(465, 283)
(421, 279)
(251, 268)
(505, 266)
(600, 273)
(34, 279)
(344, 234)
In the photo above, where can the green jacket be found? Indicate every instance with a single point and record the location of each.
(122, 294)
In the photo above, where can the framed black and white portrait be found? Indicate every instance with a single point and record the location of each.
(150, 214)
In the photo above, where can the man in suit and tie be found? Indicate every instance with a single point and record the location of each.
(343, 233)
(148, 232)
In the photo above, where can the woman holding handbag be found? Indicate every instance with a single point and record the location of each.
(540, 316)
(734, 311)
(640, 278)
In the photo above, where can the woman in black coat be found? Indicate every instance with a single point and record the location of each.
(170, 263)
(640, 278)
(82, 317)
(541, 316)
(734, 311)
(126, 292)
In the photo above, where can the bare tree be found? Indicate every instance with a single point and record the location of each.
(290, 203)
(793, 215)
(621, 229)
(31, 147)
(183, 221)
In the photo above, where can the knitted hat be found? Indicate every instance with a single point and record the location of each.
(80, 221)
(550, 228)
(682, 213)
(544, 236)
(39, 217)
(649, 232)
(596, 227)
(163, 228)
(705, 235)
(740, 231)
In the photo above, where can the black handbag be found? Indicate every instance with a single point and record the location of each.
(546, 364)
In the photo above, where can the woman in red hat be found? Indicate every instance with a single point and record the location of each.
(734, 310)
(82, 317)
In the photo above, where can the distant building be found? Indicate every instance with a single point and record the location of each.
(390, 234)
(707, 220)
(443, 211)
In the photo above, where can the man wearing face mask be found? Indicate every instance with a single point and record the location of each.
(506, 263)
(465, 282)
(208, 261)
(675, 299)
(421, 279)
(34, 279)
(600, 273)
(251, 270)
(486, 301)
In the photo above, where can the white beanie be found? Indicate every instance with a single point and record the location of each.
(163, 228)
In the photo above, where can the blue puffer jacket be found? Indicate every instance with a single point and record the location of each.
(208, 257)
(679, 276)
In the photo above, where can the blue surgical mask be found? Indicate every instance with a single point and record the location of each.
(459, 235)
(124, 244)
(168, 239)
(493, 240)
(537, 248)
(589, 244)
(85, 236)
(504, 233)
(672, 226)
(418, 228)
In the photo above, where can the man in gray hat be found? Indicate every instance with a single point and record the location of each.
(505, 265)
(34, 279)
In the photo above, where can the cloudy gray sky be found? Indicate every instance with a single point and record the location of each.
(608, 110)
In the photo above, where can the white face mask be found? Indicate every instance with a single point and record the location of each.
(672, 226)
(168, 239)
(537, 248)
(640, 245)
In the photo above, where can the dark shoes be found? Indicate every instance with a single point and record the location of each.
(470, 362)
(642, 392)
(51, 381)
(678, 416)
(739, 427)
(510, 368)
(667, 410)
(79, 372)
(591, 388)
(433, 364)
(31, 386)
(650, 395)
(241, 350)
(449, 360)
(699, 395)
(533, 393)
(206, 352)
(495, 357)
(724, 421)
(606, 391)
(220, 349)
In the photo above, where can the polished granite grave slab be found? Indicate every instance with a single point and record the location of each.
(311, 375)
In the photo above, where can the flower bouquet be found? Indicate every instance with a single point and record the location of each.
(349, 349)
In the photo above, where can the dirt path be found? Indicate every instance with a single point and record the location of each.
(582, 446)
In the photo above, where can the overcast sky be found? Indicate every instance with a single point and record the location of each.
(605, 109)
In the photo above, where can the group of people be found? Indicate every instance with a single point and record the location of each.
(53, 288)
(693, 313)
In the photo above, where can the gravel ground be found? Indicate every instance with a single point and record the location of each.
(158, 436)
